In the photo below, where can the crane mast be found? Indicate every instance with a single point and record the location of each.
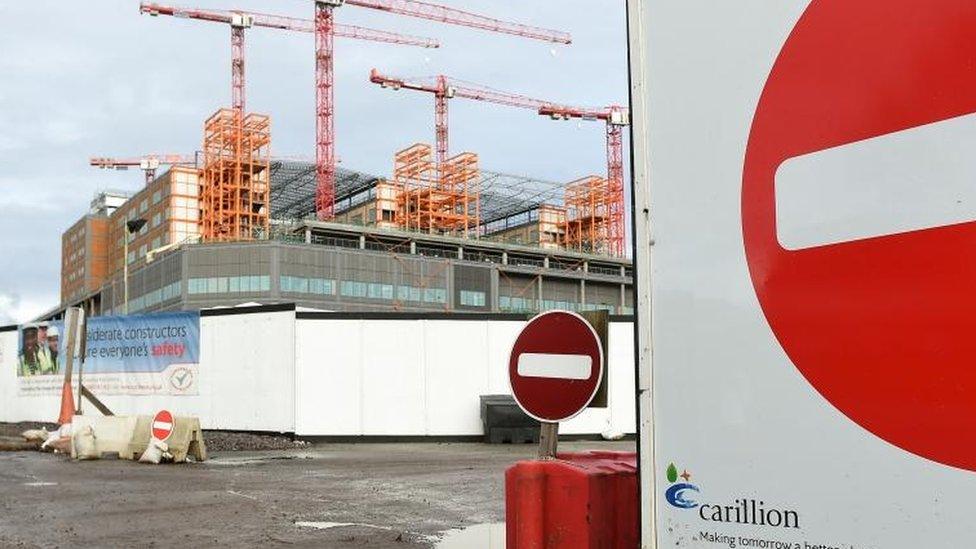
(324, 93)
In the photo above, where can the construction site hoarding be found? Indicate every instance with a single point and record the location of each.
(270, 368)
(805, 364)
(124, 355)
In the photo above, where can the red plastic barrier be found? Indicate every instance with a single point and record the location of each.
(585, 500)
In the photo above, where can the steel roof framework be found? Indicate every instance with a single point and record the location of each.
(503, 195)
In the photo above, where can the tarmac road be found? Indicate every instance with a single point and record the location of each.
(393, 495)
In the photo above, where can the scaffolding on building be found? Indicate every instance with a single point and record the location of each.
(552, 226)
(588, 204)
(236, 176)
(513, 209)
(437, 199)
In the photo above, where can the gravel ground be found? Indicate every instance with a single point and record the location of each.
(232, 441)
(217, 441)
(15, 429)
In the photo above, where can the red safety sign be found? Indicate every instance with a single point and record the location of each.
(556, 366)
(162, 425)
(881, 323)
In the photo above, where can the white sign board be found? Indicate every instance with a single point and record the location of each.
(805, 191)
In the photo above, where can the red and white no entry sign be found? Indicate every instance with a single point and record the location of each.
(162, 425)
(880, 322)
(556, 366)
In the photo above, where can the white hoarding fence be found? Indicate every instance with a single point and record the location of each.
(337, 374)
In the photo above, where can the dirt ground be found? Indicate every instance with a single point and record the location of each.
(383, 495)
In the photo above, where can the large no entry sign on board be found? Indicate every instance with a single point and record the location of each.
(858, 205)
(556, 366)
(809, 169)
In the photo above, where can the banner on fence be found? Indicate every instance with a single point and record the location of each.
(125, 355)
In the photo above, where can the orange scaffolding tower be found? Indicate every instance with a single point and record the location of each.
(236, 171)
(442, 200)
(552, 226)
(588, 202)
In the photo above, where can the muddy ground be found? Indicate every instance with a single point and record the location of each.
(390, 495)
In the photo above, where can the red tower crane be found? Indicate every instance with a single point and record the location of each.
(325, 31)
(445, 88)
(615, 118)
(148, 163)
(239, 21)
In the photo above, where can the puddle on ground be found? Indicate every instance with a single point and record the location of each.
(486, 536)
(40, 484)
(325, 525)
(237, 462)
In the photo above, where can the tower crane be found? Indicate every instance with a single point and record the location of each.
(239, 21)
(615, 118)
(148, 163)
(325, 32)
(445, 88)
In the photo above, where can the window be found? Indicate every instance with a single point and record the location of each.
(321, 286)
(228, 284)
(143, 206)
(157, 219)
(472, 299)
(380, 291)
(142, 250)
(435, 295)
(408, 293)
(515, 304)
(294, 284)
(349, 288)
(157, 196)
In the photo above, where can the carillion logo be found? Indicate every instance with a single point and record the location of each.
(684, 495)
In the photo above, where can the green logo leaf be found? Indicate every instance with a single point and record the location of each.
(672, 473)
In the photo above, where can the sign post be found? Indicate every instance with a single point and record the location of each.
(555, 370)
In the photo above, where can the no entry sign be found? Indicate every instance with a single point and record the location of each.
(805, 300)
(162, 425)
(556, 366)
(862, 128)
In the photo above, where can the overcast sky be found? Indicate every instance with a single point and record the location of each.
(98, 79)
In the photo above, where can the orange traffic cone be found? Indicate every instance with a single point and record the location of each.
(67, 404)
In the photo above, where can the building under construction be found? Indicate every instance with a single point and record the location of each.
(482, 242)
(232, 225)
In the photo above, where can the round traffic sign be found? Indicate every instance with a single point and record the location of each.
(556, 366)
(162, 425)
(881, 325)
